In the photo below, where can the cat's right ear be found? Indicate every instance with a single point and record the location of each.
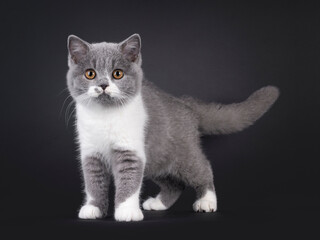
(78, 48)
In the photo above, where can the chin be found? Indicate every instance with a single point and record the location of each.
(108, 101)
(104, 98)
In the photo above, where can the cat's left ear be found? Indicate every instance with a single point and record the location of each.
(131, 47)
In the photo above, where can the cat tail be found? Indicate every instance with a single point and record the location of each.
(215, 118)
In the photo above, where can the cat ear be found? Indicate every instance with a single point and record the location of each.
(78, 48)
(130, 47)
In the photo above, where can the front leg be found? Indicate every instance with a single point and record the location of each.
(128, 170)
(96, 179)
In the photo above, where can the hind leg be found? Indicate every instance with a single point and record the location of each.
(205, 190)
(169, 193)
(198, 174)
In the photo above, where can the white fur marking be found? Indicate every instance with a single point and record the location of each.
(89, 197)
(129, 210)
(113, 90)
(89, 212)
(208, 203)
(94, 91)
(153, 204)
(101, 130)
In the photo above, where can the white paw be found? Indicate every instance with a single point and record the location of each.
(128, 214)
(153, 204)
(208, 203)
(90, 212)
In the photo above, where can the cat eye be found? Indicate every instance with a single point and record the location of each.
(90, 74)
(117, 74)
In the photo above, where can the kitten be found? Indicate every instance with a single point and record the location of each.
(129, 129)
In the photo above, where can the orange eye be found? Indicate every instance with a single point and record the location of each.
(90, 74)
(117, 74)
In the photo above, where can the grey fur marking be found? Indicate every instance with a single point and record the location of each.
(127, 170)
(174, 157)
(223, 119)
(170, 189)
(97, 181)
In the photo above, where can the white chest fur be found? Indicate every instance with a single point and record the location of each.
(101, 130)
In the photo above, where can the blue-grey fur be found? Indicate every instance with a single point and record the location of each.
(170, 189)
(127, 170)
(101, 57)
(172, 136)
(97, 179)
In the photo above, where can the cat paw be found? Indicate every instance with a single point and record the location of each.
(128, 214)
(90, 212)
(153, 204)
(207, 203)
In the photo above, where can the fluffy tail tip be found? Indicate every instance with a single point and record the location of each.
(269, 94)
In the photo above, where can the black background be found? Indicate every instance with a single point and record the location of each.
(266, 176)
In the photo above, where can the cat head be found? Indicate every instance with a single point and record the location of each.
(107, 74)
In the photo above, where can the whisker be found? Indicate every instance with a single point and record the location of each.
(67, 112)
(65, 89)
(71, 114)
(64, 102)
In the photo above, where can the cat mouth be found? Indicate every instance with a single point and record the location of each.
(104, 96)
